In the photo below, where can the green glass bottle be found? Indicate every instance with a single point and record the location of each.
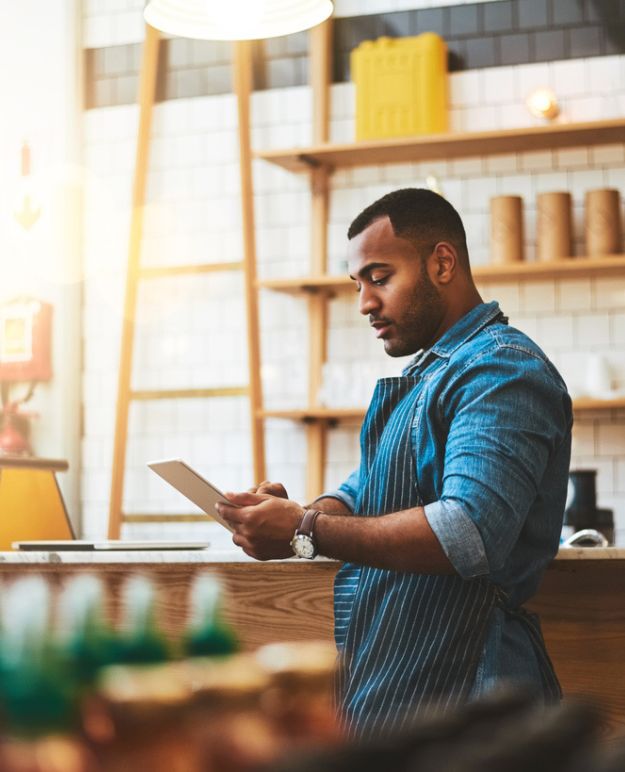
(38, 693)
(85, 640)
(207, 633)
(141, 642)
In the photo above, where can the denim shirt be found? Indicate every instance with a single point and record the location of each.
(491, 441)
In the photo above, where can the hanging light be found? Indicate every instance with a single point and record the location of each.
(235, 19)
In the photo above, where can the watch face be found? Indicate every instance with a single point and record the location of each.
(303, 546)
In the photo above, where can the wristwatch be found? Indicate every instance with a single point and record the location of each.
(303, 542)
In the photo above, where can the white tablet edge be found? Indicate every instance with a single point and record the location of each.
(191, 484)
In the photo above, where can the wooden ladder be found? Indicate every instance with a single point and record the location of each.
(317, 431)
(125, 392)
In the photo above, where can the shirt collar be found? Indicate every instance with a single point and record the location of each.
(466, 327)
(470, 324)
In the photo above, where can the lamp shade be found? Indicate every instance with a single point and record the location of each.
(235, 19)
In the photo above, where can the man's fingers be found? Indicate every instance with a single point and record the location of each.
(270, 488)
(261, 487)
(241, 541)
(245, 499)
(246, 546)
(273, 489)
(233, 515)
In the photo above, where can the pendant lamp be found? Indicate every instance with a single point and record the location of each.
(235, 19)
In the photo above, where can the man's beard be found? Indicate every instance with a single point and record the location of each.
(421, 321)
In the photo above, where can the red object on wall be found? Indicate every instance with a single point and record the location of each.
(14, 432)
(25, 340)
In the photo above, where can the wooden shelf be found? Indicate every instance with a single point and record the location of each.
(308, 415)
(574, 267)
(589, 403)
(31, 462)
(333, 414)
(309, 284)
(447, 146)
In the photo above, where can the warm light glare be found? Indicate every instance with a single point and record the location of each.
(434, 184)
(27, 208)
(543, 103)
(50, 251)
(235, 19)
(232, 14)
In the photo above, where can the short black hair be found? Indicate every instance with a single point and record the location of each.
(419, 215)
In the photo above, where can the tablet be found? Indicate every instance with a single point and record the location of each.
(192, 485)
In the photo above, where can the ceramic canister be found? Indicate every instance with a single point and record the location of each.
(603, 222)
(506, 229)
(553, 228)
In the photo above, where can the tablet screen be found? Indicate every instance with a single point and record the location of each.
(192, 485)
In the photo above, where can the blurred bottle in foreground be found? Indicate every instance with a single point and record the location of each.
(38, 693)
(207, 633)
(300, 697)
(133, 720)
(140, 642)
(85, 640)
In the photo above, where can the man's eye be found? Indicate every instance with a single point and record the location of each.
(379, 282)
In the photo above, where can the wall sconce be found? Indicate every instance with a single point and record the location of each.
(543, 103)
(27, 208)
(235, 19)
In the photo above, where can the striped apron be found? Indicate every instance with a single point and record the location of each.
(407, 641)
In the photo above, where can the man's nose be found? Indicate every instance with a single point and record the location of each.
(368, 301)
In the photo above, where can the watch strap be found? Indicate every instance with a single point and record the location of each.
(307, 524)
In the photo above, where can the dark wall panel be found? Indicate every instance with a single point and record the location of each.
(504, 32)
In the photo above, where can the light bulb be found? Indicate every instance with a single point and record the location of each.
(542, 103)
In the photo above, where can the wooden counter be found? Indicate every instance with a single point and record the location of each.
(581, 603)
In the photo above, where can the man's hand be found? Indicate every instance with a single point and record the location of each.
(273, 489)
(264, 524)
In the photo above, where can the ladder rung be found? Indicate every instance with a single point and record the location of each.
(223, 391)
(182, 270)
(143, 518)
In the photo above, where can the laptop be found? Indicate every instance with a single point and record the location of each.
(179, 475)
(82, 545)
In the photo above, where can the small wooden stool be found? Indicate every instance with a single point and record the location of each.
(31, 504)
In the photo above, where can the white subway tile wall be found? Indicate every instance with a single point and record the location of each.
(191, 330)
(361, 7)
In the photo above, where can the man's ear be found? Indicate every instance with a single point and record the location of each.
(444, 262)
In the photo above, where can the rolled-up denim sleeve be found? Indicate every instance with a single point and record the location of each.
(459, 537)
(509, 413)
(347, 492)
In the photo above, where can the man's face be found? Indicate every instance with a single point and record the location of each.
(403, 305)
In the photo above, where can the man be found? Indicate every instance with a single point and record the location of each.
(446, 528)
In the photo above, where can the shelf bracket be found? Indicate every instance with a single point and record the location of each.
(310, 161)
